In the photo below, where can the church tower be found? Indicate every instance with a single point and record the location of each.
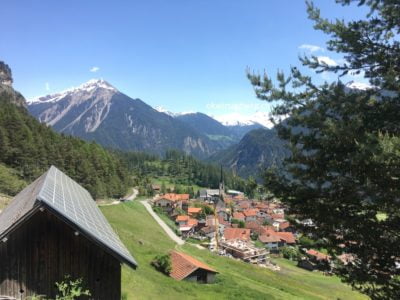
(221, 186)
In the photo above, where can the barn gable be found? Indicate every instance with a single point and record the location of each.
(68, 200)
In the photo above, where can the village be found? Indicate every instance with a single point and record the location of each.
(230, 224)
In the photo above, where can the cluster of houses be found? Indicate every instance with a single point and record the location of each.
(231, 224)
(235, 225)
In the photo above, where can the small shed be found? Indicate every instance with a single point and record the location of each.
(51, 229)
(185, 267)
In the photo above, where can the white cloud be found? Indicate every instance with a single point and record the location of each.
(311, 48)
(326, 76)
(327, 60)
(47, 86)
(94, 69)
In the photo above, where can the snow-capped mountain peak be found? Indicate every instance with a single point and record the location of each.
(162, 109)
(237, 119)
(86, 87)
(96, 83)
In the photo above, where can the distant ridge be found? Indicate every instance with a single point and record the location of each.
(258, 149)
(97, 111)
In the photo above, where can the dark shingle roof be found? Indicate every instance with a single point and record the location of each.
(66, 198)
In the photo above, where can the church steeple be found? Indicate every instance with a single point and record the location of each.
(221, 185)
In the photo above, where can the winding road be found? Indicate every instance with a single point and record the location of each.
(131, 197)
(164, 226)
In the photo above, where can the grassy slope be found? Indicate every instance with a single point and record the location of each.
(237, 280)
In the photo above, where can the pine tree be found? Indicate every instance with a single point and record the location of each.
(344, 167)
(163, 188)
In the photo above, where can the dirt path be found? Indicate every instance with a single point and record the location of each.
(132, 196)
(164, 226)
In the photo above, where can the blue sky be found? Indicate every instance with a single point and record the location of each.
(184, 55)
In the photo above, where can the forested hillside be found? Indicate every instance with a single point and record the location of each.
(29, 148)
(181, 168)
(258, 150)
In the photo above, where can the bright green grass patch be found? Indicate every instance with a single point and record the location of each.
(145, 239)
(167, 220)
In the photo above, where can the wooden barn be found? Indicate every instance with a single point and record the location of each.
(51, 229)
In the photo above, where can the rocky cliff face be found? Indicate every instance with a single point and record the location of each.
(98, 111)
(5, 74)
(6, 88)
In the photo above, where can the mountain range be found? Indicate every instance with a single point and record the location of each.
(98, 111)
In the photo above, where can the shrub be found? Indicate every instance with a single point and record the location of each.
(69, 289)
(241, 224)
(291, 253)
(306, 242)
(162, 263)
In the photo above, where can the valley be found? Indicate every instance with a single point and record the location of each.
(144, 237)
(200, 150)
(97, 111)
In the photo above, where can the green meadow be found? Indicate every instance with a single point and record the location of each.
(236, 280)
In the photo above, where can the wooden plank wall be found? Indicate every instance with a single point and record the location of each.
(44, 250)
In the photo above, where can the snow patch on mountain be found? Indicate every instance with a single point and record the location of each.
(237, 119)
(162, 109)
(86, 87)
(89, 104)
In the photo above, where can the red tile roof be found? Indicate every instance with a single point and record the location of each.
(237, 233)
(182, 218)
(183, 265)
(244, 205)
(286, 237)
(175, 197)
(250, 212)
(252, 225)
(194, 210)
(192, 222)
(272, 238)
(284, 225)
(262, 206)
(318, 255)
(238, 215)
(277, 216)
(222, 221)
